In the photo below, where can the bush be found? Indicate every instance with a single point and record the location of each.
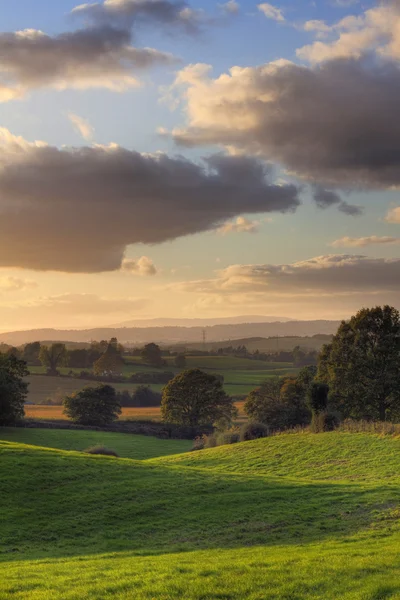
(101, 450)
(324, 421)
(230, 436)
(93, 406)
(253, 431)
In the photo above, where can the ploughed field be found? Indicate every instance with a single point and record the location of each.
(293, 516)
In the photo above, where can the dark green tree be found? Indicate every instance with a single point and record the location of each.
(52, 357)
(317, 397)
(196, 398)
(180, 361)
(109, 363)
(362, 365)
(151, 355)
(93, 406)
(278, 403)
(13, 389)
(31, 353)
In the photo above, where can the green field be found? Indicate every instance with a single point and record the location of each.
(271, 344)
(241, 375)
(126, 445)
(296, 516)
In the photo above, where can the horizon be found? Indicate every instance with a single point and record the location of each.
(152, 167)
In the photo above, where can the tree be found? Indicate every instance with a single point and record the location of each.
(196, 398)
(278, 403)
(93, 406)
(317, 397)
(13, 389)
(109, 363)
(53, 357)
(31, 353)
(151, 354)
(362, 365)
(180, 361)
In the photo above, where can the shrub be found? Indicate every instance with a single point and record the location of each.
(198, 443)
(99, 449)
(93, 406)
(324, 421)
(253, 431)
(210, 441)
(230, 436)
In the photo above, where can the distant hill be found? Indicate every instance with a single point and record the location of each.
(175, 334)
(200, 322)
(269, 345)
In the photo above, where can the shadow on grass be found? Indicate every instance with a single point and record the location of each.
(56, 504)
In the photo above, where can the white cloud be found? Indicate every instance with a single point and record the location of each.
(335, 124)
(15, 284)
(393, 215)
(377, 29)
(82, 126)
(143, 266)
(349, 242)
(271, 12)
(240, 225)
(231, 7)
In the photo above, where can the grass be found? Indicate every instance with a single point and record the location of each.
(139, 447)
(293, 517)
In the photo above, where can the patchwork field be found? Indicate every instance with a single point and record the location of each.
(241, 375)
(292, 517)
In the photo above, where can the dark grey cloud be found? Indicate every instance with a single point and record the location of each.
(95, 57)
(77, 209)
(326, 198)
(127, 13)
(336, 123)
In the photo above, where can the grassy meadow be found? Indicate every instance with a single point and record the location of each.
(295, 516)
(241, 375)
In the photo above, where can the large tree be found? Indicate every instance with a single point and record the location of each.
(52, 357)
(13, 389)
(280, 402)
(151, 354)
(31, 353)
(93, 406)
(362, 365)
(109, 363)
(196, 398)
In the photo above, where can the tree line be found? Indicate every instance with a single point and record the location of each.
(358, 377)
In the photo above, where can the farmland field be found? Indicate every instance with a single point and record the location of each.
(292, 517)
(241, 375)
(35, 411)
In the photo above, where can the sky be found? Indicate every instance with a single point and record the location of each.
(163, 158)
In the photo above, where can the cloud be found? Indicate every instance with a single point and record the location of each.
(231, 7)
(71, 310)
(15, 284)
(377, 29)
(96, 57)
(127, 13)
(271, 12)
(240, 225)
(82, 126)
(335, 124)
(325, 275)
(349, 242)
(77, 209)
(393, 215)
(143, 266)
